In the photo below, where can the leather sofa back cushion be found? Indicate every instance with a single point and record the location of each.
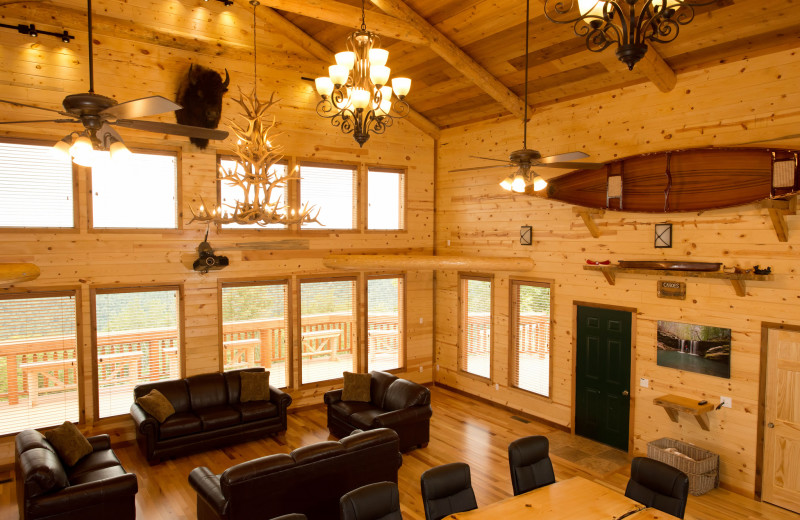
(30, 439)
(207, 390)
(174, 390)
(404, 394)
(255, 386)
(156, 405)
(359, 440)
(253, 469)
(42, 472)
(380, 382)
(69, 443)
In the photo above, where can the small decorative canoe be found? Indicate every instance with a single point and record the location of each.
(670, 265)
(15, 273)
(682, 180)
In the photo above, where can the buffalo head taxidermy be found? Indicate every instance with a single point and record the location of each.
(200, 95)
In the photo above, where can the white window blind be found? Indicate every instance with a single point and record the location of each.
(35, 188)
(385, 332)
(137, 342)
(476, 323)
(38, 362)
(229, 194)
(328, 329)
(385, 199)
(530, 321)
(332, 190)
(141, 194)
(255, 329)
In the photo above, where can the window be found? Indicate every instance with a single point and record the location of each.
(229, 194)
(327, 328)
(332, 190)
(141, 194)
(38, 361)
(385, 199)
(530, 336)
(35, 188)
(255, 327)
(476, 326)
(385, 323)
(137, 341)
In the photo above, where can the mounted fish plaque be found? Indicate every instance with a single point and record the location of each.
(672, 290)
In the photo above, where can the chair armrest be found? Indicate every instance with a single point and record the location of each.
(87, 494)
(100, 442)
(332, 396)
(208, 488)
(405, 415)
(145, 423)
(280, 398)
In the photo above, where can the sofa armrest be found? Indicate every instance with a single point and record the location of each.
(280, 398)
(333, 396)
(146, 424)
(208, 488)
(87, 494)
(100, 442)
(405, 415)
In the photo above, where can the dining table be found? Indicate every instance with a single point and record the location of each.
(573, 498)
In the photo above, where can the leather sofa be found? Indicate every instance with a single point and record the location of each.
(207, 414)
(399, 404)
(96, 487)
(310, 480)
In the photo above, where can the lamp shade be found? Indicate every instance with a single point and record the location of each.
(346, 59)
(539, 183)
(360, 98)
(379, 74)
(119, 152)
(401, 86)
(60, 150)
(324, 86)
(518, 184)
(378, 57)
(338, 74)
(591, 7)
(506, 183)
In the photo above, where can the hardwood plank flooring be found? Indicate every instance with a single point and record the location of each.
(462, 429)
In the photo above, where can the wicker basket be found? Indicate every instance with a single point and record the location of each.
(703, 471)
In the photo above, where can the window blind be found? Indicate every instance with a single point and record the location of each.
(137, 342)
(531, 336)
(476, 320)
(229, 194)
(385, 332)
(38, 362)
(255, 329)
(385, 199)
(35, 188)
(332, 190)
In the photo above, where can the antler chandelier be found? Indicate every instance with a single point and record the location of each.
(605, 22)
(356, 96)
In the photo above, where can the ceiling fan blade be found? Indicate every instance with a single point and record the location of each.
(143, 107)
(572, 165)
(173, 129)
(488, 158)
(107, 131)
(40, 121)
(483, 167)
(569, 156)
(34, 106)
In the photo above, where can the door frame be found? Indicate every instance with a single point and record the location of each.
(762, 394)
(632, 398)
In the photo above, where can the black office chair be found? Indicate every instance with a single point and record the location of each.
(291, 516)
(658, 485)
(379, 501)
(530, 464)
(447, 489)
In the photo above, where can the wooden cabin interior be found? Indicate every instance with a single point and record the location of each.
(730, 79)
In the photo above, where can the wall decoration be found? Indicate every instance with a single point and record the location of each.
(697, 348)
(526, 235)
(663, 235)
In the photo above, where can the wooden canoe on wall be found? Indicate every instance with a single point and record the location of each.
(681, 180)
(16, 273)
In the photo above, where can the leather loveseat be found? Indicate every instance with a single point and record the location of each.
(310, 480)
(208, 413)
(399, 404)
(96, 487)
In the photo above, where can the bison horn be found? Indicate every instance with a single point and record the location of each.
(227, 79)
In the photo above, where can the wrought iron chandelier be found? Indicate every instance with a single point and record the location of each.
(605, 22)
(356, 96)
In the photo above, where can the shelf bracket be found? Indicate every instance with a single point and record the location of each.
(778, 210)
(739, 287)
(673, 404)
(586, 214)
(610, 275)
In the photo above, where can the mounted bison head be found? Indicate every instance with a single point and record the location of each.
(200, 95)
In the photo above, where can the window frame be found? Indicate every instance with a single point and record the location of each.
(402, 321)
(401, 170)
(357, 196)
(513, 306)
(463, 278)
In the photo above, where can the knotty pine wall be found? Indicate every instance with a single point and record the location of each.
(128, 66)
(743, 101)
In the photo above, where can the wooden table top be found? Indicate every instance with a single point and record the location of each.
(575, 498)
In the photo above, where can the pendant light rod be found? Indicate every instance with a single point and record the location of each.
(91, 54)
(527, 32)
(254, 3)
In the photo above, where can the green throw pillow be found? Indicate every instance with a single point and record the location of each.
(356, 387)
(69, 443)
(157, 405)
(255, 386)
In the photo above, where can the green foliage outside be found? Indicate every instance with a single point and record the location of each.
(694, 332)
(382, 295)
(258, 302)
(479, 296)
(136, 310)
(534, 299)
(327, 297)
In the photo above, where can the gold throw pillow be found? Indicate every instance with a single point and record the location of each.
(255, 386)
(356, 387)
(157, 405)
(69, 443)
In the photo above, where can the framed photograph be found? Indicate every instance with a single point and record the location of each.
(696, 348)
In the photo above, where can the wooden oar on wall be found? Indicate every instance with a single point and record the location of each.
(15, 273)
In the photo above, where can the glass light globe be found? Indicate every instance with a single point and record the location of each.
(539, 184)
(338, 74)
(360, 97)
(60, 150)
(379, 74)
(119, 152)
(506, 183)
(345, 59)
(401, 86)
(324, 86)
(591, 7)
(378, 57)
(518, 184)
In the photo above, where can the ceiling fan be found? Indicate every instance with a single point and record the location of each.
(526, 158)
(98, 113)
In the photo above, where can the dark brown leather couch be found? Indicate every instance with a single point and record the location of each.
(310, 480)
(399, 404)
(207, 414)
(95, 488)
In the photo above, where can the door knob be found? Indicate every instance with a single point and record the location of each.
(625, 393)
(770, 425)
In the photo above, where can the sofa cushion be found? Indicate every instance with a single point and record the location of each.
(69, 443)
(156, 405)
(359, 440)
(174, 390)
(96, 460)
(348, 408)
(207, 390)
(42, 471)
(318, 451)
(30, 439)
(97, 474)
(182, 423)
(404, 394)
(380, 382)
(218, 417)
(356, 387)
(254, 386)
(233, 380)
(256, 410)
(364, 419)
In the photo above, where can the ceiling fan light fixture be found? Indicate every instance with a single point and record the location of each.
(506, 183)
(82, 146)
(60, 150)
(518, 184)
(538, 183)
(119, 152)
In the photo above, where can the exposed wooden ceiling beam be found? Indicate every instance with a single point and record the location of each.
(654, 68)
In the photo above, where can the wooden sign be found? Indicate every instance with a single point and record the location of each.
(672, 290)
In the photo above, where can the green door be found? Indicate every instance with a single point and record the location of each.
(603, 375)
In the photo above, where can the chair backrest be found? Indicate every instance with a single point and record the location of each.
(291, 516)
(447, 489)
(529, 462)
(378, 501)
(658, 485)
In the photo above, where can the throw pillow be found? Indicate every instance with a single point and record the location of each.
(157, 405)
(356, 387)
(255, 386)
(69, 443)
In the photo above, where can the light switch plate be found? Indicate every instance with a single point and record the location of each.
(727, 402)
(644, 382)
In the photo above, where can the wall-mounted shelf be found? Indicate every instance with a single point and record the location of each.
(675, 403)
(737, 279)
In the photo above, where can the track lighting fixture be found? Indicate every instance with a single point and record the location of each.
(33, 32)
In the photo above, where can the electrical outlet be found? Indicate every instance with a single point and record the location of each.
(644, 382)
(420, 369)
(727, 402)
(497, 386)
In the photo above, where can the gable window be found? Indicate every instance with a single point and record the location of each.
(255, 326)
(229, 194)
(385, 199)
(530, 336)
(475, 337)
(331, 188)
(385, 323)
(38, 361)
(137, 341)
(36, 189)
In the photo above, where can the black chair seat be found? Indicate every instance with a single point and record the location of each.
(658, 485)
(447, 489)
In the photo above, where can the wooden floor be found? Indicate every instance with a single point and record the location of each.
(461, 430)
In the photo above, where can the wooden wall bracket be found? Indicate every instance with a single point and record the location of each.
(587, 215)
(674, 403)
(778, 210)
